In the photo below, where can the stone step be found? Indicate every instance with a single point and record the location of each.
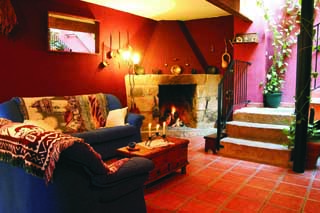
(257, 131)
(256, 151)
(280, 115)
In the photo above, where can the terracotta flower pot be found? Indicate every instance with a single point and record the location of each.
(313, 152)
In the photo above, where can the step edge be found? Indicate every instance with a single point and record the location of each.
(260, 144)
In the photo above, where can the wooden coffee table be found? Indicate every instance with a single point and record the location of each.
(166, 159)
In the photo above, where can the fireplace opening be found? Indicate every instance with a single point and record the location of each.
(176, 105)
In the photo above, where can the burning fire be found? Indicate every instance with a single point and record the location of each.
(172, 119)
(173, 110)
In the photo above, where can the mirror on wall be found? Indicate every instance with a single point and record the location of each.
(68, 33)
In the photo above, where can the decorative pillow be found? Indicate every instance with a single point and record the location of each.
(67, 114)
(117, 117)
(39, 123)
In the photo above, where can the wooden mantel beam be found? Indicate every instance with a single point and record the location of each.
(232, 7)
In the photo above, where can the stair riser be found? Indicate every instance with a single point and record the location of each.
(261, 118)
(256, 154)
(255, 133)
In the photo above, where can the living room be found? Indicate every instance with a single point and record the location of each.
(36, 71)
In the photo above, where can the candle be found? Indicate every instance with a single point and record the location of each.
(149, 127)
(164, 128)
(157, 128)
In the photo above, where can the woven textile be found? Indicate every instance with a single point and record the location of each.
(37, 150)
(67, 114)
(33, 148)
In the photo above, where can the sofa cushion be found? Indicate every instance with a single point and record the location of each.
(10, 110)
(113, 102)
(67, 113)
(104, 135)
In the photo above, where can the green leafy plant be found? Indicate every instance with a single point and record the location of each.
(284, 30)
(313, 131)
(290, 132)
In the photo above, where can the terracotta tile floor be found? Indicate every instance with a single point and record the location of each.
(218, 184)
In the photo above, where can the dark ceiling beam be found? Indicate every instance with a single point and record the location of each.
(232, 7)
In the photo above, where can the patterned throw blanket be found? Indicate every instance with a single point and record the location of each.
(37, 150)
(67, 114)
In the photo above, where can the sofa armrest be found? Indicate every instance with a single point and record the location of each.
(135, 166)
(135, 119)
(10, 110)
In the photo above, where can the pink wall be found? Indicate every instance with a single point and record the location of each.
(257, 53)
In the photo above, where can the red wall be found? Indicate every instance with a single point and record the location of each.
(28, 69)
(169, 45)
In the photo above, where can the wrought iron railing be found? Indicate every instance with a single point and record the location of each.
(232, 91)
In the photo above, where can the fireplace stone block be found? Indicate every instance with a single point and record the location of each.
(146, 88)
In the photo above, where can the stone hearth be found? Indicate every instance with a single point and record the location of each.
(146, 88)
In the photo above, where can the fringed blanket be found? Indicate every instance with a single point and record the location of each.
(36, 150)
(33, 148)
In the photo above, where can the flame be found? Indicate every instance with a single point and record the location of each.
(173, 110)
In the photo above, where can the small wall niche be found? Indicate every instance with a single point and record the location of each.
(68, 33)
(246, 38)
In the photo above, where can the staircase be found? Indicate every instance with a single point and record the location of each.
(255, 134)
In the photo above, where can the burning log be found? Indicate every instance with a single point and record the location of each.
(178, 123)
(172, 119)
(8, 18)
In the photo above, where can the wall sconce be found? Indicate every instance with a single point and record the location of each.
(126, 54)
(135, 58)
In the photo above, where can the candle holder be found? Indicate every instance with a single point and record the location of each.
(154, 136)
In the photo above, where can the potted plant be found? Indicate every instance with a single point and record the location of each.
(284, 30)
(313, 140)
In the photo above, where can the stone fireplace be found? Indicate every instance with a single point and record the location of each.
(194, 97)
(176, 105)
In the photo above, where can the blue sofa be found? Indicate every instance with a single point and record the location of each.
(104, 140)
(80, 181)
(80, 184)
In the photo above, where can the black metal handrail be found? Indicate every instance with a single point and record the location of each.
(232, 91)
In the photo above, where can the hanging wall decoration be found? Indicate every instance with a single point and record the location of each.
(8, 17)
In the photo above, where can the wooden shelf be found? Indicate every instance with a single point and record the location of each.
(248, 38)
